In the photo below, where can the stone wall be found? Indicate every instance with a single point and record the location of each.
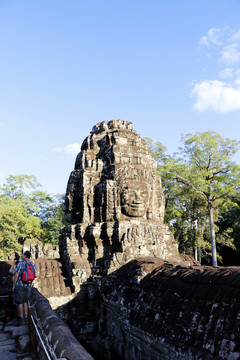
(57, 336)
(5, 286)
(41, 251)
(151, 309)
(52, 283)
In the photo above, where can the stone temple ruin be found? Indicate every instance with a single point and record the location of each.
(120, 283)
(115, 205)
(136, 296)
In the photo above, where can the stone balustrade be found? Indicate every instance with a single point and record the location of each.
(57, 336)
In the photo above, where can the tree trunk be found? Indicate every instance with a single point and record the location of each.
(199, 242)
(199, 254)
(194, 240)
(196, 253)
(213, 240)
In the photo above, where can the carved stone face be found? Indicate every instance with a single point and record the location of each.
(134, 198)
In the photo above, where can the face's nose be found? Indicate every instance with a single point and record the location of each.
(137, 199)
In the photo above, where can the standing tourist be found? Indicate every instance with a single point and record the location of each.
(24, 273)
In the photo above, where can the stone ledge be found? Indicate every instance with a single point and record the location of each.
(60, 338)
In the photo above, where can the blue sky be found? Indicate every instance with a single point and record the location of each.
(170, 67)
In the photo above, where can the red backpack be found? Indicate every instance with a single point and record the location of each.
(29, 274)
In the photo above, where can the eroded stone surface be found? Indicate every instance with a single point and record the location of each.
(11, 340)
(40, 251)
(51, 282)
(151, 309)
(59, 339)
(115, 205)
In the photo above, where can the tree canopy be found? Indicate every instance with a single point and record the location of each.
(27, 213)
(199, 181)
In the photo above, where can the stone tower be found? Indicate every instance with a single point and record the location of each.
(114, 203)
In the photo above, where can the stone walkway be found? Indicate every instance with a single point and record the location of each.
(15, 341)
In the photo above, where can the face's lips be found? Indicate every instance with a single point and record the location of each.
(136, 206)
(135, 210)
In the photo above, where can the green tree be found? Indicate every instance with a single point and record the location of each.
(166, 167)
(229, 225)
(24, 189)
(158, 151)
(16, 226)
(17, 187)
(210, 172)
(42, 204)
(27, 213)
(185, 191)
(52, 226)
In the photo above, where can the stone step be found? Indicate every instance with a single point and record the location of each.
(4, 337)
(14, 341)
(9, 345)
(8, 355)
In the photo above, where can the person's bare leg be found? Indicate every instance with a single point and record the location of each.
(20, 310)
(25, 308)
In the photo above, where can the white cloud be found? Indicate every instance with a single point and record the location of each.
(226, 73)
(235, 37)
(227, 41)
(230, 54)
(223, 93)
(213, 37)
(237, 80)
(217, 96)
(70, 149)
